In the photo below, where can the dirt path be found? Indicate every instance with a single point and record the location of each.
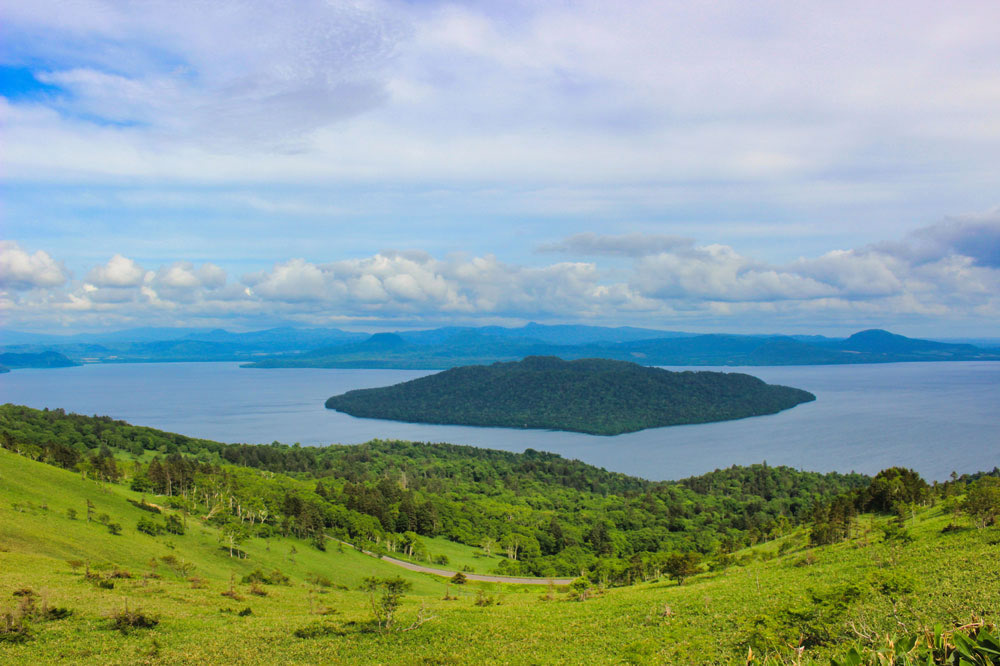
(513, 580)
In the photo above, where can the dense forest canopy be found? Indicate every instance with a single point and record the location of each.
(544, 514)
(596, 396)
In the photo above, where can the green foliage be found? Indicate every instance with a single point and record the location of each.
(682, 565)
(974, 644)
(126, 620)
(533, 513)
(385, 596)
(150, 527)
(982, 501)
(273, 578)
(596, 396)
(174, 525)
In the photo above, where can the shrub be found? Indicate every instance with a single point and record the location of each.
(319, 580)
(126, 620)
(318, 630)
(459, 578)
(147, 526)
(174, 525)
(273, 578)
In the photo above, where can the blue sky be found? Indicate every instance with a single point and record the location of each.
(731, 166)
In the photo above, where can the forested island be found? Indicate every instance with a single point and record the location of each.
(595, 396)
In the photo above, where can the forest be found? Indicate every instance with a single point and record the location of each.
(546, 515)
(596, 396)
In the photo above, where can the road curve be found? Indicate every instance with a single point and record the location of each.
(513, 580)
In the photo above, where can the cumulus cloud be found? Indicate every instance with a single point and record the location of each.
(937, 272)
(20, 270)
(719, 273)
(118, 272)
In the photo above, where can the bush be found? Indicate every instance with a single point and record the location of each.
(147, 526)
(459, 578)
(126, 620)
(273, 578)
(174, 525)
(318, 630)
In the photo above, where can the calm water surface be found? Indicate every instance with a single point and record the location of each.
(933, 417)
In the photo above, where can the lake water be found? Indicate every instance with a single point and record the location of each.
(933, 417)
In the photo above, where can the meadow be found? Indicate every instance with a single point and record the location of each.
(772, 600)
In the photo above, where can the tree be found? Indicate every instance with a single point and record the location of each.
(681, 565)
(174, 525)
(386, 596)
(982, 501)
(233, 535)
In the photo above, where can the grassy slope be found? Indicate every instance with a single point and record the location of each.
(954, 576)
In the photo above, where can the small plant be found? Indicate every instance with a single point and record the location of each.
(459, 578)
(105, 584)
(126, 620)
(114, 528)
(483, 599)
(319, 580)
(231, 592)
(71, 513)
(245, 612)
(386, 596)
(319, 629)
(13, 628)
(258, 590)
(273, 578)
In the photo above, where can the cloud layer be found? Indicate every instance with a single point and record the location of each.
(671, 283)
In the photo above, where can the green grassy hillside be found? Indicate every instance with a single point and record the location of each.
(771, 599)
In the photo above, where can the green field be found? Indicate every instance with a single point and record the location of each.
(829, 597)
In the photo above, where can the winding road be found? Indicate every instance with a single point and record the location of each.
(512, 580)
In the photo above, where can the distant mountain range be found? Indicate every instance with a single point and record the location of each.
(453, 346)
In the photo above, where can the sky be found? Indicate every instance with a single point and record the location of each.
(727, 166)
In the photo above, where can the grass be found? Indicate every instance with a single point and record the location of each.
(836, 594)
(459, 556)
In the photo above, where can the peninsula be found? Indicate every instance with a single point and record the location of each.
(595, 396)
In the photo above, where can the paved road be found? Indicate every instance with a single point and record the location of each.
(513, 580)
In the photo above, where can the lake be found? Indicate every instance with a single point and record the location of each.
(932, 417)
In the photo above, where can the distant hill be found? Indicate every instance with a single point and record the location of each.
(448, 348)
(454, 346)
(595, 396)
(41, 360)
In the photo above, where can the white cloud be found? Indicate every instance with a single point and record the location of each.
(118, 272)
(675, 283)
(20, 270)
(294, 280)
